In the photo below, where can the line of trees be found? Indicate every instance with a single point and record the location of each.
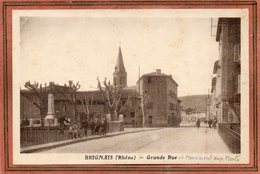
(112, 95)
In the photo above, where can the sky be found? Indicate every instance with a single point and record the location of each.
(83, 48)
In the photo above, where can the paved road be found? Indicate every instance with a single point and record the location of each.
(165, 140)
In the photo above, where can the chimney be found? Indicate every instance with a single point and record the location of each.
(158, 71)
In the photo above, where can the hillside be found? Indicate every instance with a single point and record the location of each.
(197, 102)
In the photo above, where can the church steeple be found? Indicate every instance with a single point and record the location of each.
(120, 75)
(120, 62)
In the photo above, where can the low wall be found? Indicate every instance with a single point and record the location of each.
(30, 136)
(115, 126)
(36, 136)
(230, 133)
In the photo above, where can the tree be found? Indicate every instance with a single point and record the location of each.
(86, 103)
(38, 96)
(113, 98)
(144, 99)
(69, 91)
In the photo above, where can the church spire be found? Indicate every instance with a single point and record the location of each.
(120, 74)
(120, 63)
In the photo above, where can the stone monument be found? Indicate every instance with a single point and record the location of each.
(50, 119)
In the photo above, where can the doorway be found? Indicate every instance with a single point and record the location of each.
(150, 120)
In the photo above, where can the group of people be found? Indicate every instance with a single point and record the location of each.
(96, 125)
(74, 131)
(212, 123)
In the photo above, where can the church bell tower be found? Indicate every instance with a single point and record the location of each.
(120, 75)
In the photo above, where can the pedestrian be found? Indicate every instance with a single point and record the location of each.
(98, 126)
(85, 126)
(103, 126)
(215, 123)
(210, 122)
(76, 130)
(62, 125)
(70, 132)
(198, 123)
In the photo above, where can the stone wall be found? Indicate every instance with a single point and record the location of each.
(115, 126)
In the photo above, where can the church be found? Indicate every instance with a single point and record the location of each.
(156, 103)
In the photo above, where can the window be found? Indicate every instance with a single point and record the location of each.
(132, 114)
(36, 121)
(149, 79)
(64, 108)
(172, 106)
(114, 80)
(150, 105)
(172, 94)
(150, 120)
(146, 92)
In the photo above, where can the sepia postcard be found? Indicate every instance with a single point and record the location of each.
(130, 86)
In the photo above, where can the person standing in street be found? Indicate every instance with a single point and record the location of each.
(210, 122)
(104, 125)
(215, 123)
(62, 125)
(198, 123)
(85, 126)
(70, 132)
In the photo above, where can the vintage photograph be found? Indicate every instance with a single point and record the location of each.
(130, 86)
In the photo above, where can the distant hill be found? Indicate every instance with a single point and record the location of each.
(196, 102)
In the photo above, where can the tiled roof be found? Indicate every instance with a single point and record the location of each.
(155, 74)
(95, 93)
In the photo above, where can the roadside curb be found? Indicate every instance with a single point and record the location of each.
(52, 145)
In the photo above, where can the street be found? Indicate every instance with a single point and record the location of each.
(162, 140)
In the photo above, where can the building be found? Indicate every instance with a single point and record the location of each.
(162, 108)
(192, 117)
(162, 104)
(216, 93)
(226, 82)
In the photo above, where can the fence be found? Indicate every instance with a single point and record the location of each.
(31, 136)
(36, 136)
(230, 133)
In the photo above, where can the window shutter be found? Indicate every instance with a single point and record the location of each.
(237, 53)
